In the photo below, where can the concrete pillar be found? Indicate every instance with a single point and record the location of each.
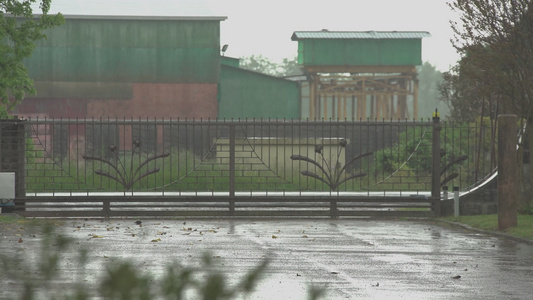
(507, 172)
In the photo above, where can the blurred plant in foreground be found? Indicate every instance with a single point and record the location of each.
(39, 277)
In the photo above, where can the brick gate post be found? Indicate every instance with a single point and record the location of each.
(507, 172)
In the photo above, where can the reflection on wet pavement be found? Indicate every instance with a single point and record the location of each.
(349, 258)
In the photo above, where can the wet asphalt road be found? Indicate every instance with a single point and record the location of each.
(349, 258)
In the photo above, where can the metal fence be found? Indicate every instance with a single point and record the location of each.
(158, 167)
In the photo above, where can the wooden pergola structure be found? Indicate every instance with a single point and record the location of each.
(361, 75)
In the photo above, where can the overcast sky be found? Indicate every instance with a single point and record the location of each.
(265, 26)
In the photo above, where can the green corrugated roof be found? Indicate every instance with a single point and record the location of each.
(325, 34)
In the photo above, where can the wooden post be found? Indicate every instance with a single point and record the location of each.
(507, 172)
(333, 107)
(344, 107)
(353, 108)
(363, 107)
(361, 102)
(325, 103)
(402, 99)
(387, 106)
(372, 115)
(415, 100)
(359, 109)
(312, 99)
(379, 106)
(339, 107)
(392, 112)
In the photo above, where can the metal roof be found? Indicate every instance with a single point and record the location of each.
(326, 34)
(132, 9)
(147, 17)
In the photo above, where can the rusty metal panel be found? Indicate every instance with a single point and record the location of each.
(83, 90)
(129, 50)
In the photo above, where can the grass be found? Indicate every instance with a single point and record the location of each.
(490, 223)
(11, 219)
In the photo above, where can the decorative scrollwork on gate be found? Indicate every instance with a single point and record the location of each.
(333, 174)
(126, 177)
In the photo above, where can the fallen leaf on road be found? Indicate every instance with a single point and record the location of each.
(20, 240)
(274, 237)
(156, 240)
(456, 277)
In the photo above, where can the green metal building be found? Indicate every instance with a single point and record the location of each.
(127, 66)
(138, 66)
(359, 75)
(356, 48)
(247, 94)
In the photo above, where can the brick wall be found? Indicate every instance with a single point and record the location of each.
(162, 101)
(153, 100)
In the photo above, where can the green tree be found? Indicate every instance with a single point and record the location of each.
(291, 67)
(467, 97)
(19, 29)
(261, 64)
(428, 92)
(495, 40)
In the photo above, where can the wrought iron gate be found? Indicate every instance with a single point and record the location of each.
(97, 167)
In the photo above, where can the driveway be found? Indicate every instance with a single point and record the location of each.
(349, 258)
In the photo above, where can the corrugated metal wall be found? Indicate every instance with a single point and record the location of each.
(360, 52)
(247, 94)
(119, 67)
(103, 50)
